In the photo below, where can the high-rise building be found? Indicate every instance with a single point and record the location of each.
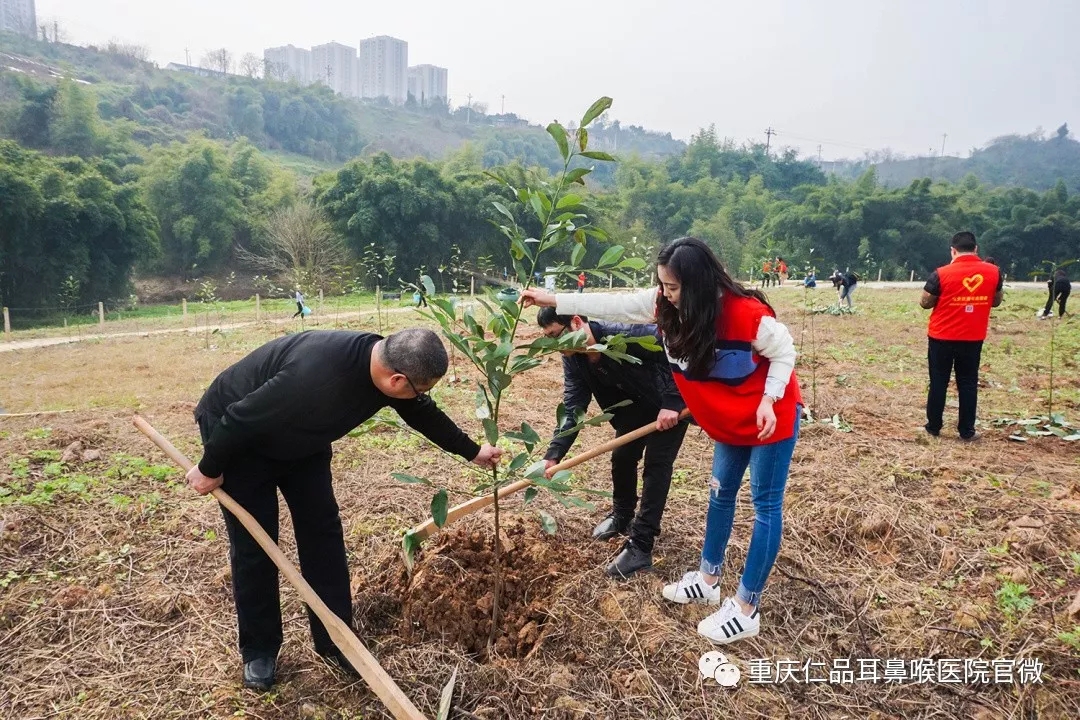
(334, 65)
(384, 68)
(18, 16)
(288, 63)
(427, 83)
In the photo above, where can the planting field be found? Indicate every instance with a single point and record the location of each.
(960, 559)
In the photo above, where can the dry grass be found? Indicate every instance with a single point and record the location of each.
(115, 602)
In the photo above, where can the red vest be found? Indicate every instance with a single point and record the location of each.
(724, 403)
(968, 285)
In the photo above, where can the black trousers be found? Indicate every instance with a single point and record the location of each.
(1059, 292)
(299, 310)
(942, 358)
(660, 449)
(253, 481)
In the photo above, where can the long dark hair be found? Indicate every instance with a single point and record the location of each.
(690, 329)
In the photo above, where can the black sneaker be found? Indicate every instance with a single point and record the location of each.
(973, 437)
(933, 433)
(630, 561)
(611, 526)
(259, 673)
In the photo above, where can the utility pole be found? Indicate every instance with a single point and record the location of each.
(187, 57)
(943, 136)
(769, 132)
(56, 31)
(468, 119)
(329, 73)
(819, 155)
(502, 109)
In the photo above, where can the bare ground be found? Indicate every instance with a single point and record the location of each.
(114, 586)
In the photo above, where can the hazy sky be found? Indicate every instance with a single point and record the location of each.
(848, 74)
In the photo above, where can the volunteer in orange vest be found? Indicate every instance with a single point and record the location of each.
(960, 296)
(766, 273)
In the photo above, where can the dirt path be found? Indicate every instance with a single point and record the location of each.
(46, 342)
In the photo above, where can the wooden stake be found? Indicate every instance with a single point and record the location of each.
(365, 663)
(426, 529)
(258, 308)
(101, 314)
(183, 304)
(912, 276)
(879, 275)
(7, 323)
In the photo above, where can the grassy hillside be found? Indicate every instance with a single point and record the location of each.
(159, 106)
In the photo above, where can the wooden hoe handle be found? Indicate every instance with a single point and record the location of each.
(365, 663)
(426, 529)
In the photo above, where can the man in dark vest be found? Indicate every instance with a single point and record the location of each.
(654, 398)
(960, 296)
(267, 423)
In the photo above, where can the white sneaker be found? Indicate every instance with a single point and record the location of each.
(729, 624)
(692, 589)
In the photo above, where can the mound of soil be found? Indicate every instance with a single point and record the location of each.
(451, 593)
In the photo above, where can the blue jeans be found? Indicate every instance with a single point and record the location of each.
(768, 478)
(845, 295)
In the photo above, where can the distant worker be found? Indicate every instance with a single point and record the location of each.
(1060, 289)
(581, 282)
(960, 295)
(766, 273)
(299, 304)
(810, 280)
(781, 270)
(848, 282)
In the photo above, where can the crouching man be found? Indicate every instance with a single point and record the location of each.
(650, 387)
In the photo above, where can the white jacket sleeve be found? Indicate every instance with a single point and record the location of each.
(629, 307)
(774, 342)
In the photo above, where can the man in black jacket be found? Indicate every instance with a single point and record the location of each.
(650, 387)
(267, 423)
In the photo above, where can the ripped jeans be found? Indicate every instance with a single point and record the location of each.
(768, 478)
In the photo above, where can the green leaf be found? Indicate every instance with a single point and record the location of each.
(505, 211)
(518, 462)
(577, 254)
(599, 419)
(571, 501)
(598, 155)
(536, 470)
(410, 543)
(429, 286)
(568, 201)
(611, 255)
(558, 132)
(439, 503)
(548, 523)
(594, 111)
(562, 476)
(537, 205)
(620, 404)
(411, 479)
(560, 415)
(577, 175)
(583, 138)
(632, 264)
(530, 494)
(491, 431)
(446, 699)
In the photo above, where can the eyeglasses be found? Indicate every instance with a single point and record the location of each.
(549, 332)
(415, 391)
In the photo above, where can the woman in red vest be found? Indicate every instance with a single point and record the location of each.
(734, 366)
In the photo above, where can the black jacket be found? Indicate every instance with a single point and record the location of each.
(649, 385)
(294, 396)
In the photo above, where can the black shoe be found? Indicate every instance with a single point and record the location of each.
(259, 673)
(973, 437)
(339, 661)
(934, 433)
(611, 526)
(629, 562)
